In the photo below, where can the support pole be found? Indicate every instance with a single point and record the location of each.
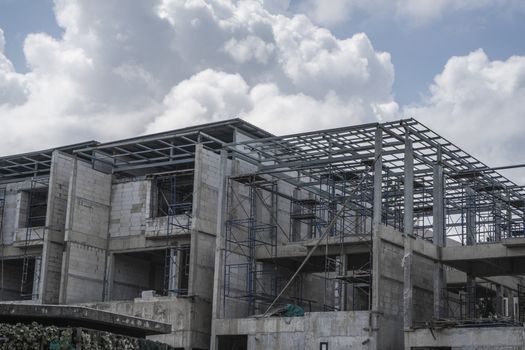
(471, 240)
(408, 224)
(439, 236)
(376, 241)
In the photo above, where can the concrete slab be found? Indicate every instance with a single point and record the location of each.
(79, 316)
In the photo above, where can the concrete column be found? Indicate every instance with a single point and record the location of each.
(378, 173)
(376, 241)
(499, 300)
(173, 278)
(108, 278)
(408, 224)
(220, 246)
(36, 278)
(439, 236)
(471, 297)
(344, 286)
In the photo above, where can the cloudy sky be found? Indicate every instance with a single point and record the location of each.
(73, 70)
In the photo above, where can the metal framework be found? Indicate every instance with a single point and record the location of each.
(496, 203)
(33, 164)
(36, 216)
(161, 152)
(325, 168)
(155, 152)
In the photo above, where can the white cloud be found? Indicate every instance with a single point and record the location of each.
(211, 96)
(414, 12)
(479, 104)
(126, 67)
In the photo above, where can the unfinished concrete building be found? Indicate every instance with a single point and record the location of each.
(387, 235)
(126, 227)
(377, 236)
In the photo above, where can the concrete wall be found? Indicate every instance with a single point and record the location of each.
(341, 330)
(183, 313)
(84, 260)
(132, 220)
(60, 174)
(390, 332)
(484, 338)
(130, 207)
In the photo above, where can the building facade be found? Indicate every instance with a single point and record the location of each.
(377, 236)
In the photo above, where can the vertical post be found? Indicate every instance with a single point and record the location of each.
(378, 173)
(471, 216)
(376, 240)
(499, 301)
(220, 246)
(408, 224)
(471, 240)
(173, 278)
(497, 221)
(439, 233)
(36, 278)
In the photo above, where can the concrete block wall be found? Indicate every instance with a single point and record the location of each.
(84, 259)
(130, 202)
(132, 214)
(206, 188)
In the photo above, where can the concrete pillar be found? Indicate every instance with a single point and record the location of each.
(499, 300)
(108, 278)
(220, 246)
(439, 236)
(173, 277)
(471, 297)
(344, 286)
(378, 180)
(408, 224)
(36, 278)
(376, 241)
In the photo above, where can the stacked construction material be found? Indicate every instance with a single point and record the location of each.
(37, 337)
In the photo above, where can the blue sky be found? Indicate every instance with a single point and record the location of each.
(120, 68)
(419, 52)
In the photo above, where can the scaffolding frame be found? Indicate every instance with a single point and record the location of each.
(37, 184)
